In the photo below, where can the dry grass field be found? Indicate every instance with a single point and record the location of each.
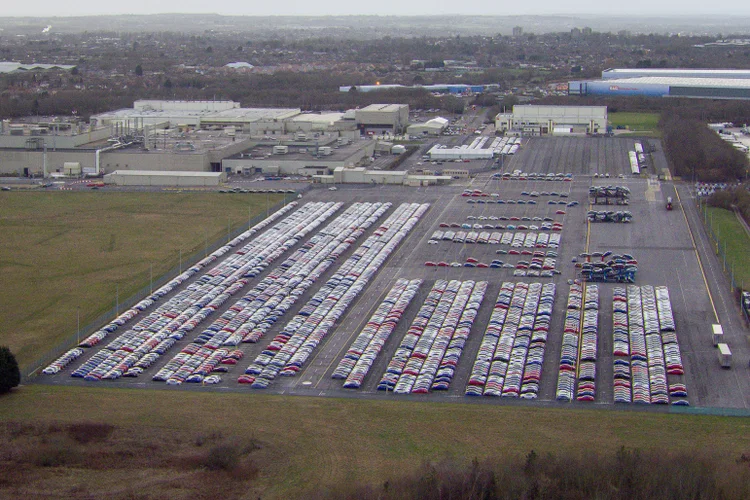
(67, 250)
(281, 447)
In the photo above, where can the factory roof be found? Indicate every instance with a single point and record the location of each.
(678, 72)
(383, 107)
(681, 82)
(10, 67)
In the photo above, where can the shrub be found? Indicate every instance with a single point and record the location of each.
(222, 457)
(10, 375)
(88, 432)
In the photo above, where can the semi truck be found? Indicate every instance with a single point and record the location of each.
(725, 355)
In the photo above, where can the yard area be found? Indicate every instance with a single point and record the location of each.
(732, 241)
(636, 123)
(64, 253)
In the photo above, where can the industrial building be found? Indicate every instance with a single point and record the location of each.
(436, 126)
(197, 136)
(311, 156)
(444, 88)
(662, 82)
(164, 178)
(530, 120)
(14, 67)
(360, 175)
(377, 119)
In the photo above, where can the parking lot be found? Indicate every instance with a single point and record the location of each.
(379, 235)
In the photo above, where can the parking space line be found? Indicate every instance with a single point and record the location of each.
(697, 255)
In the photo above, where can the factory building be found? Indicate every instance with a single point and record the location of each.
(529, 120)
(377, 119)
(197, 136)
(664, 82)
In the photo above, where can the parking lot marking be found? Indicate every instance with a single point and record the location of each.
(697, 256)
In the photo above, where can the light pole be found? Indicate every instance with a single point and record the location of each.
(78, 327)
(180, 260)
(117, 300)
(151, 278)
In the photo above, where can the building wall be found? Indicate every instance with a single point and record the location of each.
(13, 161)
(164, 180)
(120, 160)
(535, 120)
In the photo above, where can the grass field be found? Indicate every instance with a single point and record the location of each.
(321, 443)
(732, 238)
(637, 123)
(64, 251)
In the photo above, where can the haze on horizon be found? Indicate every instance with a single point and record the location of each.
(632, 8)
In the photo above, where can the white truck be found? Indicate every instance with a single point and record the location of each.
(718, 334)
(725, 355)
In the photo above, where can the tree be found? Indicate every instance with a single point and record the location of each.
(139, 70)
(10, 375)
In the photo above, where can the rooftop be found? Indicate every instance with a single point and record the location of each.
(166, 173)
(682, 81)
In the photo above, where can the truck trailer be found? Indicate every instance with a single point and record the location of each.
(725, 355)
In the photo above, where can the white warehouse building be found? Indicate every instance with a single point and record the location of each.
(557, 120)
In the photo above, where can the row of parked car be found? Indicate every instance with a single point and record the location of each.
(186, 309)
(567, 370)
(429, 352)
(508, 238)
(586, 390)
(129, 314)
(518, 175)
(654, 351)
(511, 354)
(360, 356)
(498, 201)
(433, 360)
(609, 216)
(307, 329)
(260, 308)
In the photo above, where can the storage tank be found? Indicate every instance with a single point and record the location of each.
(398, 149)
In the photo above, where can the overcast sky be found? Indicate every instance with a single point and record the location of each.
(45, 8)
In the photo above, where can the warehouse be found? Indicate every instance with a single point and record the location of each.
(164, 178)
(557, 120)
(665, 86)
(377, 119)
(436, 126)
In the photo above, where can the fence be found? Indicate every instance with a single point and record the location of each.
(30, 371)
(736, 285)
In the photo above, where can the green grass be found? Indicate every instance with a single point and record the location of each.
(62, 251)
(317, 443)
(637, 123)
(734, 240)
